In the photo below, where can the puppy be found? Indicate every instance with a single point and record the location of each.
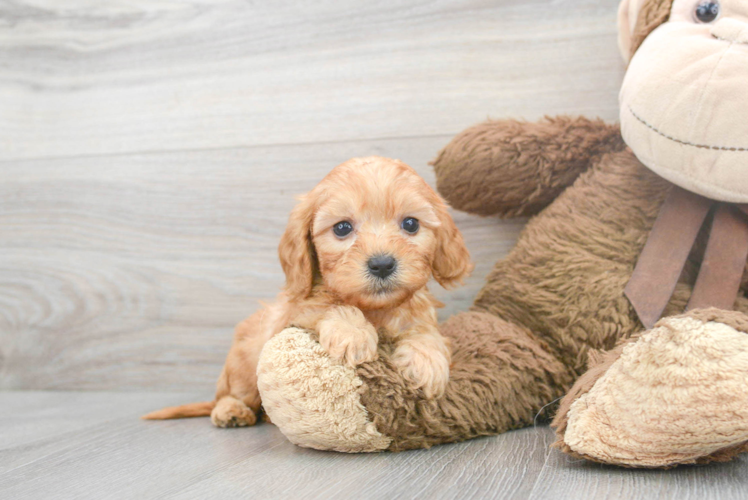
(357, 253)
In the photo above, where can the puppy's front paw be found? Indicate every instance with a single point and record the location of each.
(347, 335)
(425, 364)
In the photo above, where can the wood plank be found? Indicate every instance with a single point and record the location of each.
(91, 444)
(114, 455)
(92, 78)
(497, 467)
(36, 424)
(565, 477)
(129, 272)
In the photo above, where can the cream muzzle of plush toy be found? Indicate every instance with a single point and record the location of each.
(684, 101)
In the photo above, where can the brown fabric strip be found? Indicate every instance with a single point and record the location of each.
(724, 261)
(664, 255)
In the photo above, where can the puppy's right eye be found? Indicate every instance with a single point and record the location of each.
(410, 225)
(342, 229)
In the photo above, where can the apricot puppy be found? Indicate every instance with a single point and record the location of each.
(357, 253)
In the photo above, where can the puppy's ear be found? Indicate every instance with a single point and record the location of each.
(296, 250)
(452, 260)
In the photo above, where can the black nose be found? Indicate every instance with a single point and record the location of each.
(382, 265)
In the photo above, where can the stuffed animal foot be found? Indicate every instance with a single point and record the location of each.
(500, 377)
(314, 398)
(675, 394)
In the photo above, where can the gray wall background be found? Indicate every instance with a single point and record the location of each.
(150, 151)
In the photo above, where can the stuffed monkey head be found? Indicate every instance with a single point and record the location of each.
(684, 99)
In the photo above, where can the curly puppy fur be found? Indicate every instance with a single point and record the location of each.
(331, 287)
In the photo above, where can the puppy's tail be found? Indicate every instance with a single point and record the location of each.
(184, 411)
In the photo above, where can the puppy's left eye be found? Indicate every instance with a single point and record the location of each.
(410, 225)
(342, 229)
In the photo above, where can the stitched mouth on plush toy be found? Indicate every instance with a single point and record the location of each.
(685, 143)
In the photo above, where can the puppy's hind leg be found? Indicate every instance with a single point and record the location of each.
(233, 410)
(238, 400)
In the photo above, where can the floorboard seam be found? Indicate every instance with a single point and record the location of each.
(448, 135)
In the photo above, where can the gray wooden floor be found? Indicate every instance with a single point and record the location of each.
(149, 155)
(92, 445)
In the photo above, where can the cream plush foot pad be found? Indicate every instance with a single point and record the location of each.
(312, 399)
(677, 394)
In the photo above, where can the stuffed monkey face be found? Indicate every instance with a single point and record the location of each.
(684, 99)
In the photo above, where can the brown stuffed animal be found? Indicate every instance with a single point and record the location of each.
(620, 237)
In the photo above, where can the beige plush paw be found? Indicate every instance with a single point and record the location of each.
(346, 335)
(676, 395)
(424, 362)
(312, 399)
(230, 412)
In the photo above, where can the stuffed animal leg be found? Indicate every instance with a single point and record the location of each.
(675, 394)
(501, 376)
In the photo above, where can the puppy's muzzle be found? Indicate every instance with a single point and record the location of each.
(382, 266)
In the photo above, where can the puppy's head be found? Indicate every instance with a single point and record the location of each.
(374, 233)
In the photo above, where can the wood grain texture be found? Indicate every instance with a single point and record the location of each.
(130, 271)
(91, 445)
(84, 78)
(565, 477)
(150, 151)
(101, 450)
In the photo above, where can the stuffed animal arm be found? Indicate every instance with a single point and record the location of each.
(512, 168)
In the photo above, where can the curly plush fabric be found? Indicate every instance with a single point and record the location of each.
(311, 398)
(320, 403)
(491, 360)
(564, 280)
(528, 163)
(674, 395)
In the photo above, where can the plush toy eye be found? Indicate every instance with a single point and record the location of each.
(707, 11)
(410, 225)
(342, 229)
